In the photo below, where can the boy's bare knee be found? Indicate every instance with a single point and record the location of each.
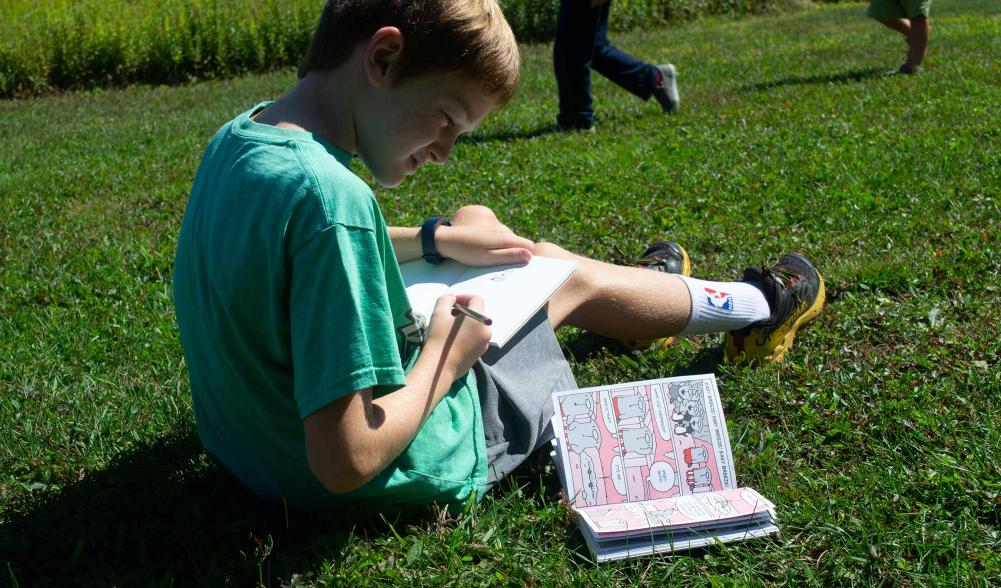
(474, 214)
(589, 282)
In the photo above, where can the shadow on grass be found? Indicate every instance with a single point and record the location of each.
(587, 346)
(163, 515)
(848, 76)
(505, 136)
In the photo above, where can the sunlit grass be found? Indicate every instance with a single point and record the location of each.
(878, 438)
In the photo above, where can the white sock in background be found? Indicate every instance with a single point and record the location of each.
(723, 306)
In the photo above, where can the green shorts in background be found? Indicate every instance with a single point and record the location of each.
(894, 9)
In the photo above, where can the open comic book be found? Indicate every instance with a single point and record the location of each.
(648, 469)
(512, 294)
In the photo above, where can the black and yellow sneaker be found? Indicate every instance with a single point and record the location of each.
(667, 257)
(795, 293)
(670, 258)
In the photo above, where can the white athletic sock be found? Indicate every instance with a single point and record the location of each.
(723, 306)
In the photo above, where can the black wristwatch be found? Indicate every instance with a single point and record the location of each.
(428, 229)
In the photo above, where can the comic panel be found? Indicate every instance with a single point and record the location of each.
(690, 414)
(642, 440)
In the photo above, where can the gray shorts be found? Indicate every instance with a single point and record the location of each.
(516, 384)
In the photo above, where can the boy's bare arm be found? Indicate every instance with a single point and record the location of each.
(351, 440)
(475, 237)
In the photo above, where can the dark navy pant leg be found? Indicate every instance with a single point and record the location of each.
(576, 30)
(582, 43)
(625, 70)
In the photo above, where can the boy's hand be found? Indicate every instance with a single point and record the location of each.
(476, 237)
(462, 339)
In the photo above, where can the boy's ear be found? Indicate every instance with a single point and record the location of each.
(383, 55)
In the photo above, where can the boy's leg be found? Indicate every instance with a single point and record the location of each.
(670, 258)
(901, 25)
(515, 385)
(617, 301)
(628, 72)
(573, 52)
(636, 76)
(910, 18)
(917, 41)
(762, 313)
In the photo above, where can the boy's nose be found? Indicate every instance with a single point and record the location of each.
(440, 151)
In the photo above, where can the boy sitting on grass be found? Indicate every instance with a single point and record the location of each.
(310, 380)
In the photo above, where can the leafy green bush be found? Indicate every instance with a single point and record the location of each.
(53, 44)
(63, 44)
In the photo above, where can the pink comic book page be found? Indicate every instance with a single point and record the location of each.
(681, 512)
(643, 440)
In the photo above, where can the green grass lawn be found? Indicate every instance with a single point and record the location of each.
(879, 438)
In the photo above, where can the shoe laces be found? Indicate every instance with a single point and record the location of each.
(788, 278)
(785, 288)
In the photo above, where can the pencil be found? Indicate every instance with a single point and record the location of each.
(457, 308)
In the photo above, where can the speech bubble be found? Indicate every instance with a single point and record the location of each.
(719, 504)
(660, 412)
(662, 476)
(589, 481)
(618, 475)
(607, 411)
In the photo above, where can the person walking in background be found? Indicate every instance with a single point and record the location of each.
(581, 45)
(909, 18)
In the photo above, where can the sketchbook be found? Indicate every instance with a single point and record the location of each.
(647, 468)
(512, 294)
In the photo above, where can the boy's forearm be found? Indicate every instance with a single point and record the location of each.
(369, 434)
(406, 243)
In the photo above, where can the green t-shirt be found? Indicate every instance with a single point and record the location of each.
(288, 297)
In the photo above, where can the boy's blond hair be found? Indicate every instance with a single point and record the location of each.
(471, 36)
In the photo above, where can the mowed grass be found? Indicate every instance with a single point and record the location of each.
(879, 438)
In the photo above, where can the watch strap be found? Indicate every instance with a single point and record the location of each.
(428, 247)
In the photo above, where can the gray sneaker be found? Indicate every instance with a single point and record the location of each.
(666, 92)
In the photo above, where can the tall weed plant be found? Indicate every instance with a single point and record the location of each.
(63, 44)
